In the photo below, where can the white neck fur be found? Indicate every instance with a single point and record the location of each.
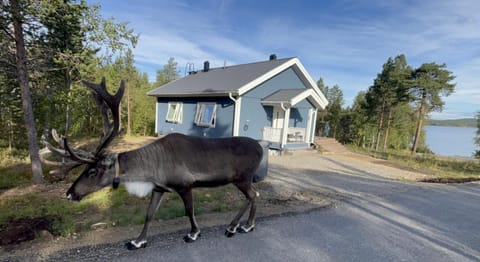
(140, 189)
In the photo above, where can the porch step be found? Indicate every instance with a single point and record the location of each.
(330, 145)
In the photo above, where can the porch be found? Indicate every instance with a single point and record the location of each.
(293, 117)
(295, 135)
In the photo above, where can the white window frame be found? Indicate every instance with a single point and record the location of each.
(201, 119)
(177, 115)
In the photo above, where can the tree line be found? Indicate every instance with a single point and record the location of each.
(46, 47)
(391, 113)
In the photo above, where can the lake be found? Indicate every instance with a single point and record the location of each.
(451, 141)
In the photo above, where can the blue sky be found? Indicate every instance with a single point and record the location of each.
(344, 42)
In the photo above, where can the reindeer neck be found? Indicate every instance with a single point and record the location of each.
(142, 164)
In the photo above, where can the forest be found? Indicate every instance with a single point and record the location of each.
(47, 47)
(391, 113)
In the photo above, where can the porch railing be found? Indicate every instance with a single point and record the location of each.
(272, 134)
(294, 134)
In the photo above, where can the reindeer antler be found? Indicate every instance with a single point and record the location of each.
(113, 102)
(78, 157)
(64, 167)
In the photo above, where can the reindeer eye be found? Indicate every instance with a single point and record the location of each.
(92, 172)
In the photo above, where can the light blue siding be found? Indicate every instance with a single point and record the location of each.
(299, 114)
(223, 123)
(254, 116)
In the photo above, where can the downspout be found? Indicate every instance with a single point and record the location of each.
(236, 114)
(231, 97)
(156, 117)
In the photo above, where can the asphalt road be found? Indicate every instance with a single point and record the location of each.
(375, 219)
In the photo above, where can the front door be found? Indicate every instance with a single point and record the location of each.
(278, 117)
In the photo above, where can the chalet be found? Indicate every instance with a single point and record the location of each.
(274, 100)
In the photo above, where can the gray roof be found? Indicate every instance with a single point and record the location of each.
(217, 81)
(283, 95)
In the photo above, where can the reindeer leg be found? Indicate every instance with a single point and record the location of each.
(250, 195)
(141, 241)
(187, 198)
(250, 226)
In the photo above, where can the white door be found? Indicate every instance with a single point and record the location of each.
(278, 117)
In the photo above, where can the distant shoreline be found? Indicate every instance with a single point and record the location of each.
(464, 122)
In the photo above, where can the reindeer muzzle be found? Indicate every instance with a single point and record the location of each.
(116, 182)
(73, 197)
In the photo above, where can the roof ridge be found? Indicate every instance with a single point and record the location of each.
(246, 64)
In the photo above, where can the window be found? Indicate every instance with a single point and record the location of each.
(175, 112)
(206, 114)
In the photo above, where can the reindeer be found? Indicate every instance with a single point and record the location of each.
(174, 163)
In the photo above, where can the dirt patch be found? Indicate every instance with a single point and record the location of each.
(447, 180)
(25, 229)
(49, 190)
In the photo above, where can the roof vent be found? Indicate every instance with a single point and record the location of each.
(206, 66)
(273, 57)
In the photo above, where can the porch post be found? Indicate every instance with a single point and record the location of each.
(236, 116)
(309, 126)
(312, 131)
(156, 117)
(285, 126)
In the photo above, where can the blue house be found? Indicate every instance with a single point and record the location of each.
(274, 100)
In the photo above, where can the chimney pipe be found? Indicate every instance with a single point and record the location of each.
(206, 66)
(273, 57)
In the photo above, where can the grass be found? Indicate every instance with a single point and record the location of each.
(441, 167)
(32, 206)
(108, 206)
(14, 174)
(112, 207)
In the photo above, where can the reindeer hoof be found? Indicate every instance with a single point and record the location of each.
(192, 237)
(246, 229)
(231, 230)
(133, 245)
(229, 234)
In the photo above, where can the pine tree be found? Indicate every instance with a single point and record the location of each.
(429, 82)
(168, 73)
(23, 82)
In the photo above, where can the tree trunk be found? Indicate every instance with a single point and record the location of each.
(419, 126)
(10, 131)
(37, 175)
(387, 131)
(129, 119)
(67, 109)
(379, 129)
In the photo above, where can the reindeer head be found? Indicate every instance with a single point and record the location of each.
(94, 177)
(99, 168)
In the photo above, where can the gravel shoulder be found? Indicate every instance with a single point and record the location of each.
(289, 188)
